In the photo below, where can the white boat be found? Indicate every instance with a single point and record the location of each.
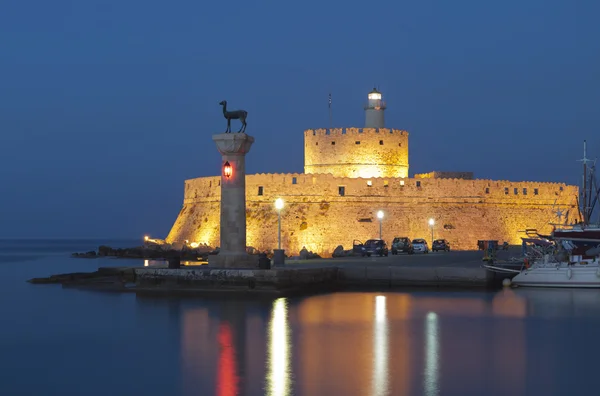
(570, 256)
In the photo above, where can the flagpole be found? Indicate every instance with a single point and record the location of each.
(329, 111)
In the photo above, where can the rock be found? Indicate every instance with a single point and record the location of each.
(90, 254)
(338, 252)
(304, 253)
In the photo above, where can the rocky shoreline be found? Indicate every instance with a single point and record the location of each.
(153, 252)
(166, 252)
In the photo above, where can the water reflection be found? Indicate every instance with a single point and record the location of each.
(278, 361)
(382, 344)
(227, 380)
(432, 347)
(379, 384)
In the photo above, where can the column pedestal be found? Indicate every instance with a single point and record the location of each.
(232, 253)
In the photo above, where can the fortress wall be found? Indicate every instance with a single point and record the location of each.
(316, 216)
(356, 152)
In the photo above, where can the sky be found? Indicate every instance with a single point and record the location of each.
(107, 106)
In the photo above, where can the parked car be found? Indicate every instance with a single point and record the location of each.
(375, 247)
(440, 244)
(402, 244)
(420, 245)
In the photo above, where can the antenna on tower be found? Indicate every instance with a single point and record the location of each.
(330, 126)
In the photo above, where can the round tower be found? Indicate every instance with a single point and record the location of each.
(374, 110)
(356, 152)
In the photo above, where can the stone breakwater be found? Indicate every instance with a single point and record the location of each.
(205, 281)
(154, 252)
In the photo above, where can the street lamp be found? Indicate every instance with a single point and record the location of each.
(380, 217)
(279, 206)
(431, 223)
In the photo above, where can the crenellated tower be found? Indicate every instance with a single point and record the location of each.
(373, 151)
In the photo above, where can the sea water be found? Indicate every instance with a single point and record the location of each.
(61, 341)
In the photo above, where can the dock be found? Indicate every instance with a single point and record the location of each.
(461, 269)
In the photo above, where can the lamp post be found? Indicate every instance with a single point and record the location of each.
(279, 206)
(380, 217)
(278, 254)
(431, 223)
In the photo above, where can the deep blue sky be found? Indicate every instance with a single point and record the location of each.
(106, 106)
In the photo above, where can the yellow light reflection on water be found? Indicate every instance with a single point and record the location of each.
(379, 382)
(278, 361)
(146, 263)
(432, 346)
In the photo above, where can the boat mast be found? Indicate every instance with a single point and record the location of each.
(584, 200)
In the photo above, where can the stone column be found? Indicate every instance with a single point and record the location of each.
(232, 254)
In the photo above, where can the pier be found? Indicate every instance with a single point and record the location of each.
(461, 269)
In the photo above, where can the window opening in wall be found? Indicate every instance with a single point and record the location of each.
(219, 183)
(505, 190)
(399, 144)
(369, 183)
(535, 191)
(333, 143)
(381, 142)
(487, 190)
(294, 180)
(516, 191)
(357, 142)
(314, 133)
(260, 190)
(418, 183)
(385, 183)
(317, 144)
(341, 190)
(525, 191)
(561, 188)
(401, 183)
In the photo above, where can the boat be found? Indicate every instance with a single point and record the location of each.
(570, 255)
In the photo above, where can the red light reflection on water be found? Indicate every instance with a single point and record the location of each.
(227, 378)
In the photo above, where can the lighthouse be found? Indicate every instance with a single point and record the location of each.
(374, 110)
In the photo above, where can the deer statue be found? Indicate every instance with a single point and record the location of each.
(234, 115)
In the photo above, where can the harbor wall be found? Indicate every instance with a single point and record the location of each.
(323, 211)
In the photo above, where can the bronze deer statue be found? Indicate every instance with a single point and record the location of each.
(234, 115)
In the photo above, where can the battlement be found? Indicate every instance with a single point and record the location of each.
(296, 187)
(356, 152)
(353, 131)
(445, 175)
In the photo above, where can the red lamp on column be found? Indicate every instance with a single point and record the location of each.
(227, 170)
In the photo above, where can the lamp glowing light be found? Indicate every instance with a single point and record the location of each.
(380, 217)
(146, 237)
(374, 96)
(431, 223)
(279, 206)
(227, 170)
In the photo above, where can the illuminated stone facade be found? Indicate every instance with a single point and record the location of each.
(350, 174)
(318, 217)
(356, 152)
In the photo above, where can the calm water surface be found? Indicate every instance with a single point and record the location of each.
(56, 341)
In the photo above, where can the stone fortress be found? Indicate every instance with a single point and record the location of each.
(352, 173)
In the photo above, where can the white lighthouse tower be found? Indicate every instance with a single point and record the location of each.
(374, 110)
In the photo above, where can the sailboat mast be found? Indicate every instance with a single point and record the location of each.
(584, 200)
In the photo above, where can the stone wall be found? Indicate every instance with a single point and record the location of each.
(445, 175)
(356, 152)
(316, 214)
